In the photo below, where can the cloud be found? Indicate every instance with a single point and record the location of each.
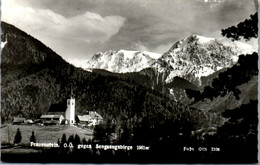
(47, 25)
(140, 46)
(162, 48)
(80, 28)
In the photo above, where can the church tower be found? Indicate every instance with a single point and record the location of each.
(70, 112)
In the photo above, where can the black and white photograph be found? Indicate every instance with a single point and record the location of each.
(129, 81)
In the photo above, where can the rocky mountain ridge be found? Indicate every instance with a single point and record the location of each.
(190, 58)
(121, 61)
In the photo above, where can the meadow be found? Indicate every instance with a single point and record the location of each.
(43, 134)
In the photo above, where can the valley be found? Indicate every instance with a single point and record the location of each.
(201, 92)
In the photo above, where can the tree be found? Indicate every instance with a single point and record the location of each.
(76, 140)
(240, 132)
(100, 133)
(71, 139)
(84, 141)
(193, 94)
(63, 140)
(247, 29)
(18, 137)
(209, 93)
(33, 139)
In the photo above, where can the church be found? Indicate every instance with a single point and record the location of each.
(61, 113)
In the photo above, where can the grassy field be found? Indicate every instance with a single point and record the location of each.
(43, 134)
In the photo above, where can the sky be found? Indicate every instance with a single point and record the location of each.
(77, 29)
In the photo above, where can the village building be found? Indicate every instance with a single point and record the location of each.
(28, 121)
(83, 119)
(95, 117)
(52, 119)
(90, 118)
(18, 120)
(61, 113)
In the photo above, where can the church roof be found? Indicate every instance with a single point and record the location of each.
(60, 107)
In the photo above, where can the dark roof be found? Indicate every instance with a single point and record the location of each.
(60, 107)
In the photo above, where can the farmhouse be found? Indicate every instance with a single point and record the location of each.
(28, 121)
(52, 119)
(18, 120)
(95, 117)
(83, 120)
(63, 112)
(90, 118)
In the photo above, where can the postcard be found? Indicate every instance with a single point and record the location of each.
(129, 81)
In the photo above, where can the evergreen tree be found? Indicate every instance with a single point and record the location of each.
(33, 139)
(63, 140)
(84, 141)
(76, 140)
(71, 139)
(100, 133)
(18, 137)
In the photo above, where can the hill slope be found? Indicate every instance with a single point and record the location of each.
(29, 91)
(236, 85)
(23, 55)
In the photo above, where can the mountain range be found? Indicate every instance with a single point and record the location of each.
(163, 93)
(190, 58)
(122, 61)
(201, 92)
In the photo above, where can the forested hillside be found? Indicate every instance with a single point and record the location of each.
(31, 84)
(135, 106)
(233, 93)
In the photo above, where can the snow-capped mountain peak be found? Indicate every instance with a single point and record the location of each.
(131, 54)
(122, 61)
(196, 56)
(190, 58)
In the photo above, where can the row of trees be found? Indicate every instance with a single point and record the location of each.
(18, 137)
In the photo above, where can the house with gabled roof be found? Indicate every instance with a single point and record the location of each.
(52, 119)
(83, 119)
(18, 120)
(90, 118)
